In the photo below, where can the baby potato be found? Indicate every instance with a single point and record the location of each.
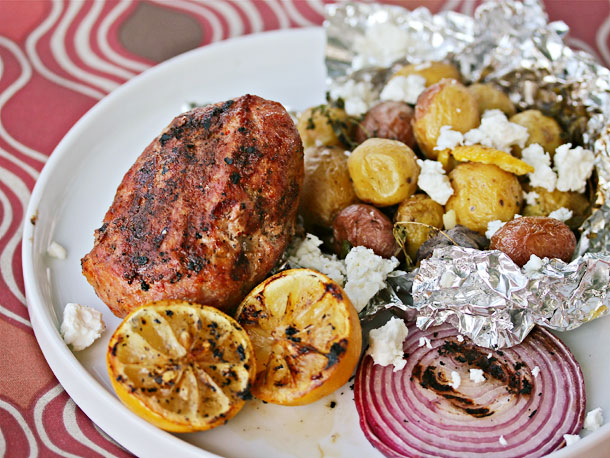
(390, 120)
(384, 172)
(542, 129)
(489, 97)
(327, 187)
(433, 72)
(446, 103)
(324, 125)
(421, 209)
(549, 201)
(364, 225)
(483, 193)
(544, 237)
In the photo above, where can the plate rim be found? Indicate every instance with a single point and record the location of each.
(72, 373)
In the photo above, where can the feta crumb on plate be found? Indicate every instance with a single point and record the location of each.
(81, 326)
(542, 176)
(502, 441)
(357, 96)
(404, 89)
(55, 250)
(456, 380)
(562, 214)
(366, 274)
(574, 167)
(497, 131)
(425, 341)
(308, 254)
(450, 219)
(460, 338)
(594, 419)
(571, 438)
(433, 181)
(476, 375)
(382, 45)
(448, 139)
(385, 344)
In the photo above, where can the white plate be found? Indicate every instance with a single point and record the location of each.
(76, 188)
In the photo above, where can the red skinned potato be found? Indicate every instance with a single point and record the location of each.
(545, 237)
(364, 225)
(388, 120)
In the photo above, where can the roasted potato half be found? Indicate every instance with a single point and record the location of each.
(542, 129)
(432, 72)
(324, 125)
(418, 208)
(327, 187)
(446, 103)
(483, 193)
(489, 97)
(384, 172)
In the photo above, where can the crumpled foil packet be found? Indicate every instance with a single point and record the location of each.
(490, 299)
(512, 44)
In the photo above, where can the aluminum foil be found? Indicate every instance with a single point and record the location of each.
(512, 44)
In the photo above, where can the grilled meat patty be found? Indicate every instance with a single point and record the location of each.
(205, 212)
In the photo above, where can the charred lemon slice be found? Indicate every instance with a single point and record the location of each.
(181, 366)
(486, 155)
(305, 333)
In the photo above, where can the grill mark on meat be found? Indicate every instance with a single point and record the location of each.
(179, 207)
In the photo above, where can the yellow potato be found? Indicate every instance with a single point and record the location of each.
(549, 201)
(324, 125)
(487, 155)
(384, 172)
(433, 72)
(489, 97)
(542, 129)
(421, 209)
(447, 103)
(483, 193)
(327, 188)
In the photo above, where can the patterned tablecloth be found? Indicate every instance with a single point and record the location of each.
(57, 59)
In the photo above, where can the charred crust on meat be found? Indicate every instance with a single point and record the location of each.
(229, 160)
(235, 177)
(145, 286)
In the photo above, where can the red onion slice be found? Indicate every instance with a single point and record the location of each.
(416, 412)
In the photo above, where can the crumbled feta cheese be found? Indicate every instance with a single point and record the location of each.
(493, 227)
(489, 355)
(571, 438)
(497, 132)
(534, 264)
(385, 344)
(366, 274)
(55, 250)
(306, 253)
(456, 380)
(450, 219)
(574, 167)
(433, 181)
(476, 375)
(358, 96)
(448, 139)
(425, 341)
(542, 175)
(423, 65)
(81, 326)
(381, 45)
(531, 198)
(535, 371)
(460, 338)
(502, 441)
(404, 89)
(594, 419)
(562, 214)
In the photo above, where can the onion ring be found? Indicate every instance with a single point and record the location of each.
(517, 411)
